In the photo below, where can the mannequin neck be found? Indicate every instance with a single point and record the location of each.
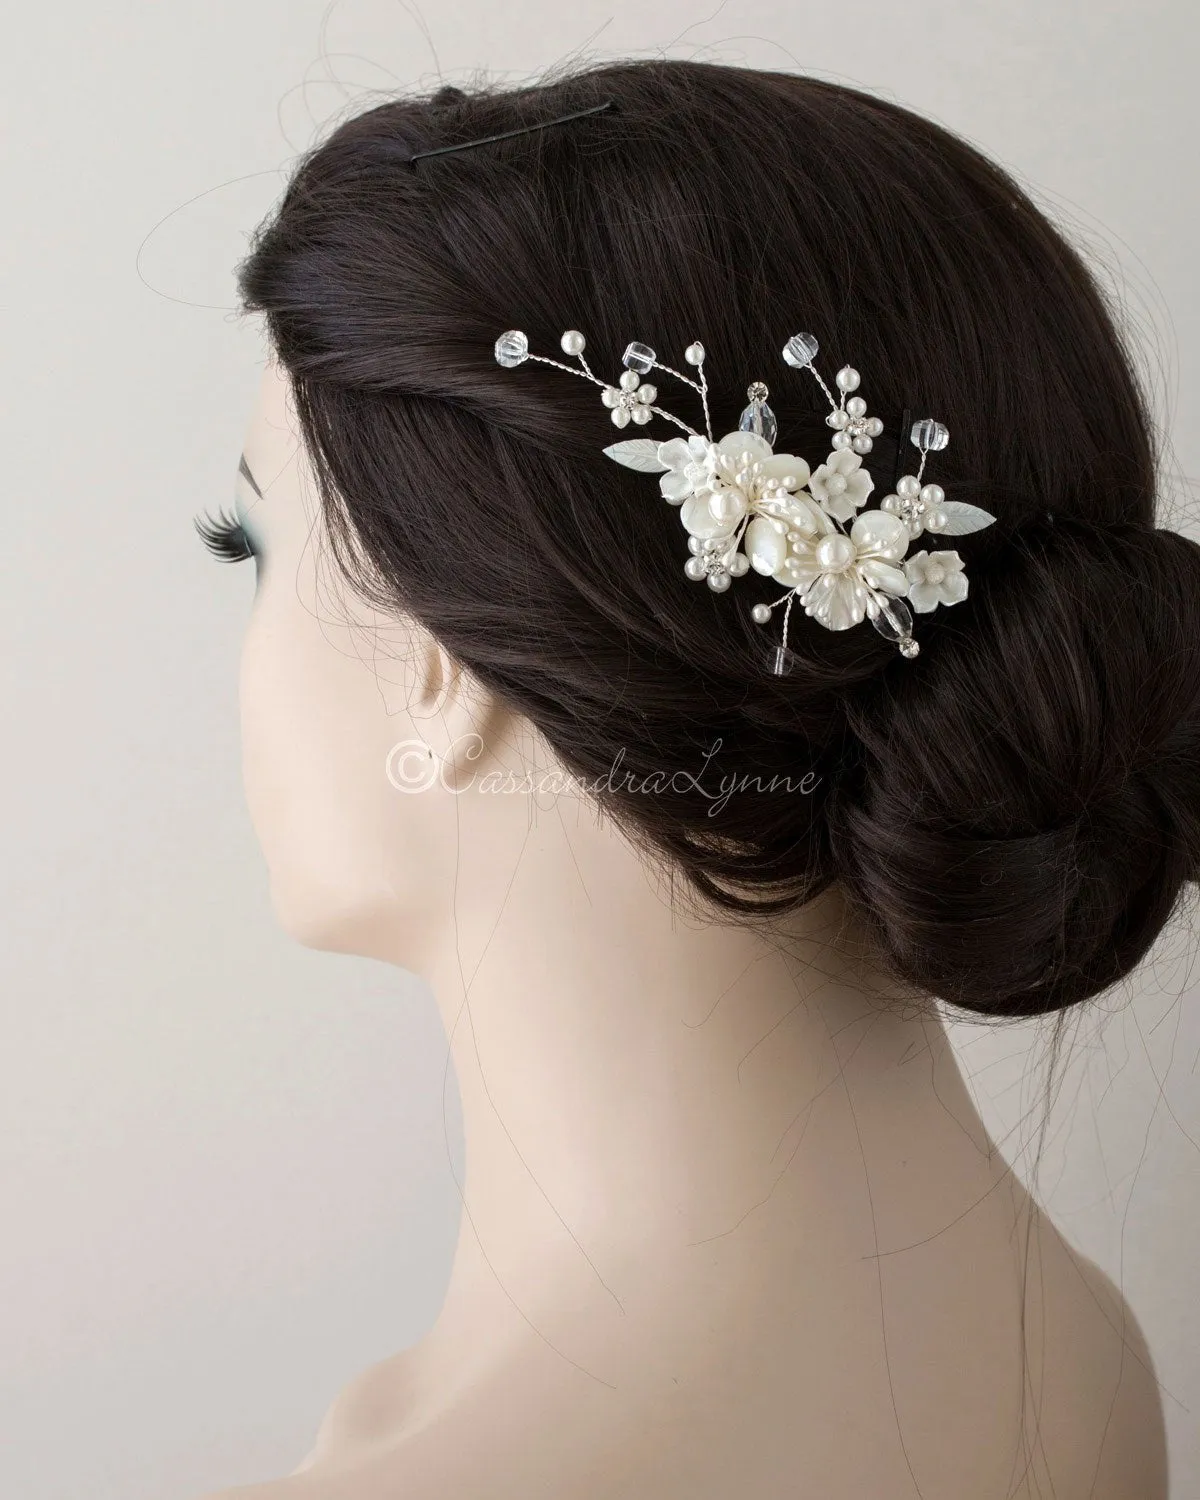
(657, 1107)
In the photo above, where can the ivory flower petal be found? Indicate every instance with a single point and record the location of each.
(766, 545)
(837, 600)
(699, 520)
(734, 444)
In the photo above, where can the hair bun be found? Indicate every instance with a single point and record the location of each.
(1024, 808)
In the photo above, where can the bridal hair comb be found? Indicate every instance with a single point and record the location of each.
(805, 528)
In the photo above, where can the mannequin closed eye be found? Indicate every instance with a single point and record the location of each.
(223, 534)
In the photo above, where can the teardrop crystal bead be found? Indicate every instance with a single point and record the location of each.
(758, 417)
(891, 617)
(512, 349)
(928, 434)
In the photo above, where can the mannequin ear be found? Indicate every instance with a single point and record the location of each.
(472, 724)
(434, 673)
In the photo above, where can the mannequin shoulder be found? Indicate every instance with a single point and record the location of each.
(1100, 1401)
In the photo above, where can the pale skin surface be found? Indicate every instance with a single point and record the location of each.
(730, 1227)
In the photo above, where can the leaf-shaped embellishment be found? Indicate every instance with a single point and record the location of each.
(638, 453)
(962, 519)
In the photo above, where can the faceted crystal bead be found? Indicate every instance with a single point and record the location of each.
(512, 348)
(639, 357)
(892, 618)
(800, 350)
(758, 417)
(929, 434)
(782, 661)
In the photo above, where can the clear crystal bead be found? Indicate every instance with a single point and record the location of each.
(758, 417)
(891, 617)
(782, 661)
(512, 349)
(639, 357)
(928, 434)
(800, 350)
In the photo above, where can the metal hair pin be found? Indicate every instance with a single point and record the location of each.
(745, 506)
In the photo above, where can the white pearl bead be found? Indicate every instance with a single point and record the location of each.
(874, 427)
(936, 520)
(907, 486)
(647, 393)
(836, 484)
(837, 418)
(610, 395)
(694, 354)
(718, 582)
(630, 380)
(856, 406)
(641, 415)
(841, 440)
(620, 416)
(835, 553)
(761, 614)
(738, 564)
(791, 482)
(848, 378)
(695, 545)
(694, 568)
(573, 342)
(862, 443)
(933, 494)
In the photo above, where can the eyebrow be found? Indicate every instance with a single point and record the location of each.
(244, 469)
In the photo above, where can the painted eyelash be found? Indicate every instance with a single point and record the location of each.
(224, 536)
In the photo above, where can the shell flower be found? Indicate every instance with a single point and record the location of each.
(721, 483)
(841, 485)
(935, 578)
(835, 572)
(784, 533)
(687, 464)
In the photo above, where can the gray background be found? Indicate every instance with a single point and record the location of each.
(222, 1158)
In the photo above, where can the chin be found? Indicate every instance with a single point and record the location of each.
(364, 922)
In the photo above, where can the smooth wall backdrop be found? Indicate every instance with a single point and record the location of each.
(223, 1160)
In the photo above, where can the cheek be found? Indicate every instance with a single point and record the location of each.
(355, 865)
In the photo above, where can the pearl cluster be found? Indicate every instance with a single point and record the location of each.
(853, 429)
(918, 505)
(715, 562)
(630, 401)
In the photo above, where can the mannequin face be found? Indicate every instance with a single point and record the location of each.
(341, 708)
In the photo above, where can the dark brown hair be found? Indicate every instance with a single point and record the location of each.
(1016, 811)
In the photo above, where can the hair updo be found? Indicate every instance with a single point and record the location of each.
(1014, 812)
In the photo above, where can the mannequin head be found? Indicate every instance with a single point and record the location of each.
(371, 760)
(1013, 814)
